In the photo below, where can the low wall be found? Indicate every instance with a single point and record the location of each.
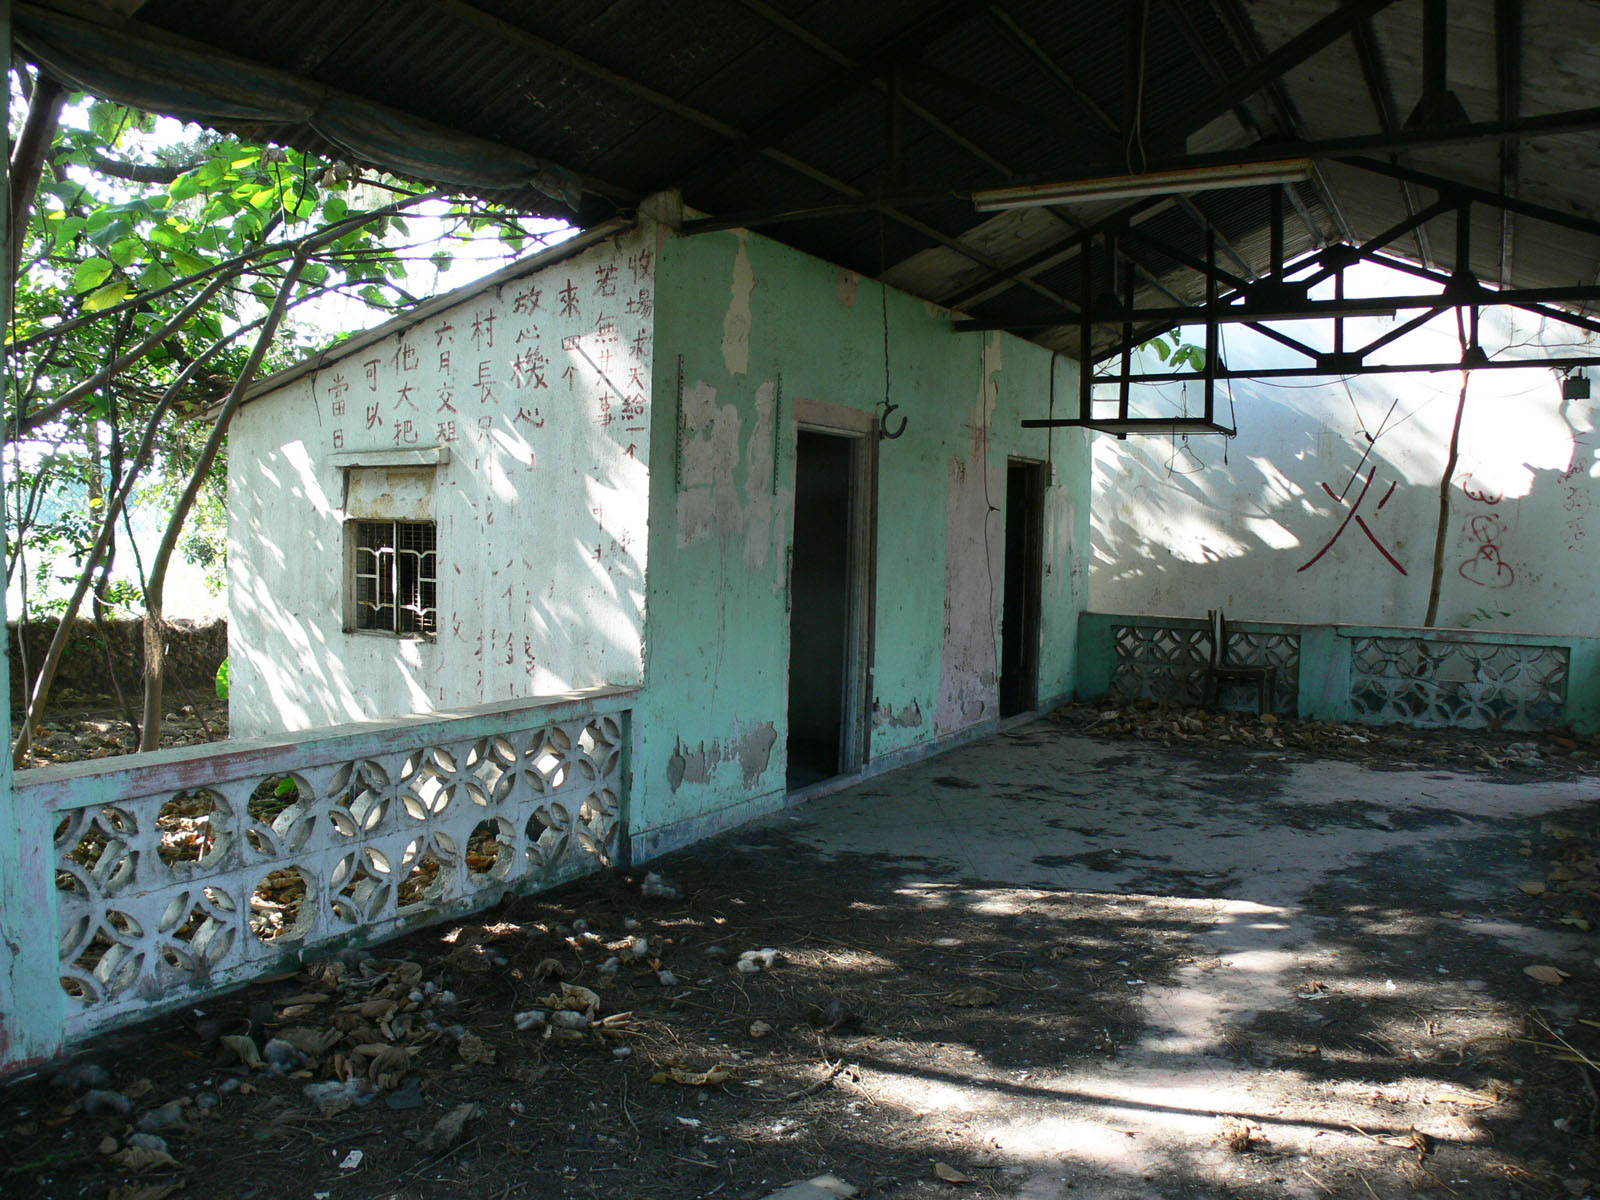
(195, 649)
(182, 873)
(1458, 678)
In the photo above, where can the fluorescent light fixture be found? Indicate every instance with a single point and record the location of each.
(1151, 183)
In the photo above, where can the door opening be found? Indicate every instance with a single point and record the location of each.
(829, 606)
(1024, 570)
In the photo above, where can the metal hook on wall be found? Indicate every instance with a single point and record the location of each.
(883, 423)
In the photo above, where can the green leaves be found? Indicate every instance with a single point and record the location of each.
(187, 262)
(90, 273)
(1175, 352)
(108, 296)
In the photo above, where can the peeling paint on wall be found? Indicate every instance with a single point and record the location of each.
(736, 325)
(752, 750)
(909, 717)
(974, 547)
(761, 501)
(709, 502)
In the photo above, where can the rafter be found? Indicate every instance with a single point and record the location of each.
(1508, 69)
(1285, 58)
(1451, 187)
(1248, 42)
(1183, 15)
(829, 90)
(529, 40)
(1381, 92)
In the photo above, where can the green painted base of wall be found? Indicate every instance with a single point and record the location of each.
(1325, 690)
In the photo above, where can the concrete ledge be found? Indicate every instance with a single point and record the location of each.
(653, 843)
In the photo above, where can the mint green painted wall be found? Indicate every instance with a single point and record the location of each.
(759, 326)
(1326, 660)
(32, 1006)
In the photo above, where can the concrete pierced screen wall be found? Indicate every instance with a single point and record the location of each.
(1168, 662)
(1356, 673)
(214, 868)
(1458, 684)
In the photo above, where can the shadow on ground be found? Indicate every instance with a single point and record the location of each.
(1039, 966)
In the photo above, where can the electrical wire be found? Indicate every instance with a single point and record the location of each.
(1136, 129)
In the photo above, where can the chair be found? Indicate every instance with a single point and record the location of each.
(1219, 671)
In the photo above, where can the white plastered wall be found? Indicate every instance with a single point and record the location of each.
(1178, 530)
(536, 393)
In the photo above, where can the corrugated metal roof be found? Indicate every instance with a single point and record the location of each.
(766, 105)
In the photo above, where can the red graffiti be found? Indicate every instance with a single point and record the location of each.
(1485, 567)
(1353, 515)
(1482, 493)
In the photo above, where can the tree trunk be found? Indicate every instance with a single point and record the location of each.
(1442, 533)
(108, 523)
(155, 657)
(27, 158)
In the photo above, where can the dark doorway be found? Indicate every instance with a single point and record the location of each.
(1019, 620)
(826, 609)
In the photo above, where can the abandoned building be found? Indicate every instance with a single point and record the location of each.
(792, 465)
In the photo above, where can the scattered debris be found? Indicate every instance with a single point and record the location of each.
(752, 962)
(144, 1191)
(351, 1161)
(659, 887)
(148, 1141)
(823, 1187)
(974, 996)
(678, 1074)
(136, 1158)
(950, 1174)
(407, 1095)
(1239, 1135)
(759, 1029)
(168, 1116)
(474, 1049)
(101, 1100)
(336, 1096)
(448, 1130)
(1554, 976)
(1478, 750)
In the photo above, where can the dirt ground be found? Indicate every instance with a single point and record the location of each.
(603, 1040)
(94, 727)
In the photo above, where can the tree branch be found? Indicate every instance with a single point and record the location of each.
(27, 159)
(154, 651)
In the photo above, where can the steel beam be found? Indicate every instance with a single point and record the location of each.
(1288, 56)
(1450, 187)
(1248, 43)
(1579, 120)
(1311, 310)
(1559, 363)
(1508, 70)
(823, 95)
(1183, 15)
(1381, 92)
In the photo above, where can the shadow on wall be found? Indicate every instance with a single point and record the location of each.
(547, 615)
(1324, 508)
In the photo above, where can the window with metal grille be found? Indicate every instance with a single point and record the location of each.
(395, 576)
